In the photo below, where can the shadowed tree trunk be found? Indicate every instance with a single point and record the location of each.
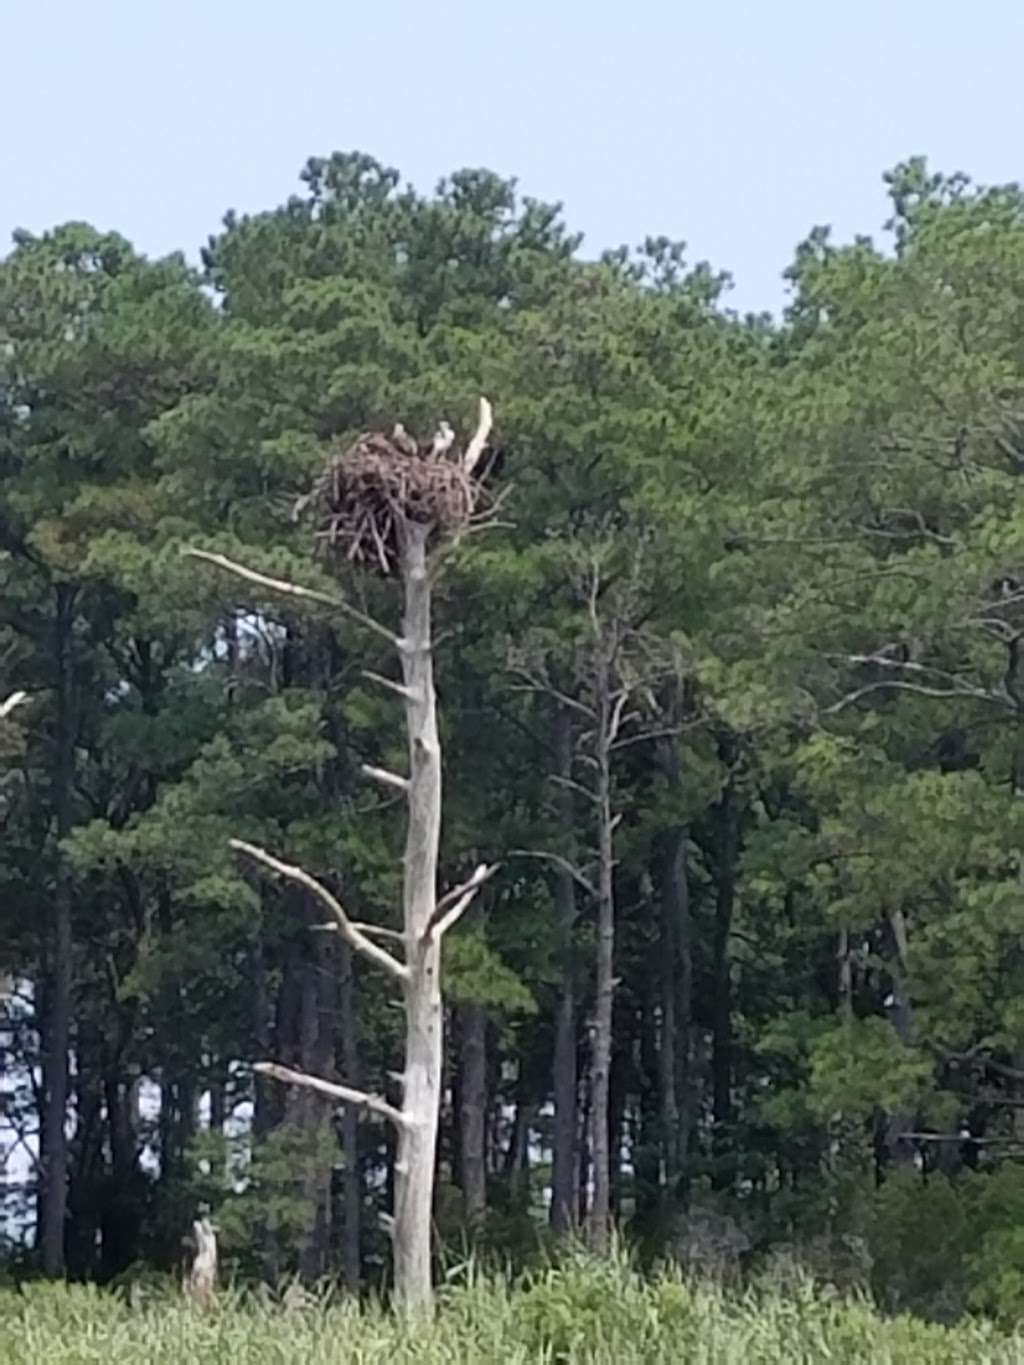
(565, 1086)
(352, 1183)
(726, 836)
(57, 1032)
(676, 959)
(473, 1111)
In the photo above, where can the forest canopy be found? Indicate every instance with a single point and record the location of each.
(736, 669)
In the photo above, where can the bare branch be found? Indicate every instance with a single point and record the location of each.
(344, 1094)
(897, 685)
(353, 936)
(531, 684)
(281, 585)
(564, 863)
(385, 777)
(380, 931)
(615, 720)
(570, 785)
(669, 732)
(458, 899)
(370, 930)
(992, 625)
(408, 693)
(15, 699)
(483, 430)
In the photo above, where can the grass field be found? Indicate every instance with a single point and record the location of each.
(580, 1312)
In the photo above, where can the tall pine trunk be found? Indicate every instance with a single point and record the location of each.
(676, 1002)
(601, 1047)
(726, 835)
(473, 1112)
(565, 1083)
(57, 1034)
(352, 1184)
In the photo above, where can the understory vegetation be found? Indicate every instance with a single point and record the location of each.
(586, 1312)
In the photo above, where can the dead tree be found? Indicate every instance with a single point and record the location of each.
(390, 505)
(201, 1284)
(615, 668)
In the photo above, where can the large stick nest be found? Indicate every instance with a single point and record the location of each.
(367, 496)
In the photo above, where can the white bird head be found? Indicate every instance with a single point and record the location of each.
(443, 438)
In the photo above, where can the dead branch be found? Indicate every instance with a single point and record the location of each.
(344, 1094)
(570, 785)
(476, 446)
(564, 863)
(353, 936)
(538, 685)
(669, 732)
(406, 693)
(458, 899)
(15, 699)
(615, 720)
(281, 585)
(385, 777)
(378, 931)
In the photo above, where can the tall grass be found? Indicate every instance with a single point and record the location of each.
(603, 1313)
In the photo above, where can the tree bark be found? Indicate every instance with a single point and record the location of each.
(601, 1049)
(352, 1186)
(473, 1112)
(417, 1135)
(565, 1083)
(54, 1163)
(313, 1112)
(727, 852)
(676, 957)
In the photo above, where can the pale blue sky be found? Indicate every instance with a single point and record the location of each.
(736, 126)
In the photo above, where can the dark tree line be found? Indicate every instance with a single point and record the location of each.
(733, 695)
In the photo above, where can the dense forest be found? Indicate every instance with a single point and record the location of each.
(731, 690)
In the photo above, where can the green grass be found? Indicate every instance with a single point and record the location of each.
(581, 1311)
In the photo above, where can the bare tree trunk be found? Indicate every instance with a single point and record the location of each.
(601, 1048)
(417, 1136)
(472, 1111)
(54, 1164)
(565, 1087)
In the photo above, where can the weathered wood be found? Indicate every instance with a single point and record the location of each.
(202, 1277)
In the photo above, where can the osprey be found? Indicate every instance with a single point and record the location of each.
(443, 440)
(403, 442)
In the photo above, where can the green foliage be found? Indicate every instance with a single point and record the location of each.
(862, 1066)
(828, 608)
(475, 974)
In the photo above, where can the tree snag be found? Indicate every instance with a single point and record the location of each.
(388, 505)
(201, 1284)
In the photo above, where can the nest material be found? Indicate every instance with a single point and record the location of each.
(368, 495)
